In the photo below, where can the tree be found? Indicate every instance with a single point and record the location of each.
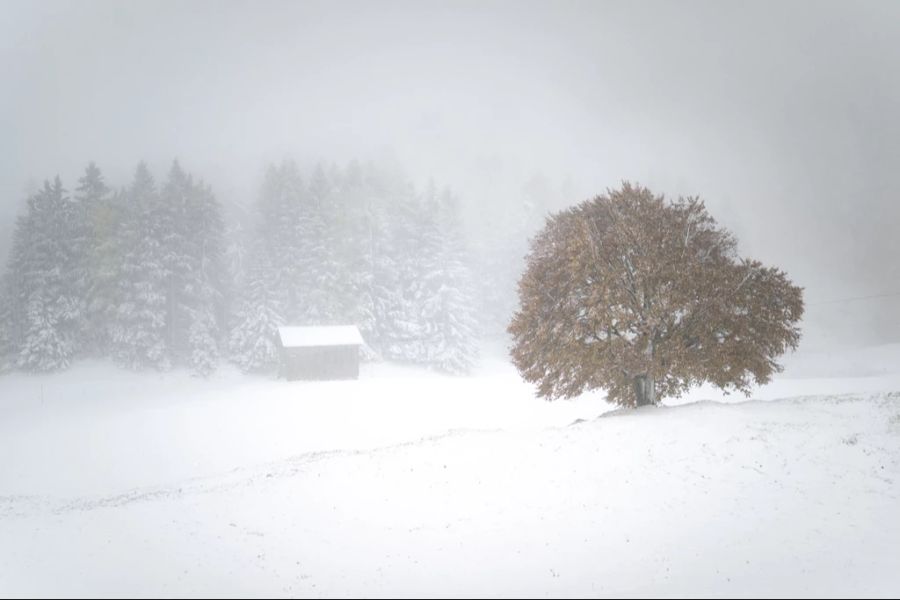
(448, 306)
(279, 209)
(94, 222)
(204, 287)
(191, 229)
(646, 297)
(402, 336)
(203, 343)
(137, 317)
(7, 347)
(381, 294)
(173, 231)
(44, 305)
(318, 267)
(252, 343)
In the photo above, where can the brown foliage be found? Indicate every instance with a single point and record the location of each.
(645, 298)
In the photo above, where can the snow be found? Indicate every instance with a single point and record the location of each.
(409, 482)
(331, 335)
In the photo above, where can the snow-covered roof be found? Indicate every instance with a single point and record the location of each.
(331, 335)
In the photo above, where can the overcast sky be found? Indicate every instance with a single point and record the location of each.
(783, 116)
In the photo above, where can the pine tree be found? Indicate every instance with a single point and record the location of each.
(379, 292)
(364, 254)
(384, 289)
(205, 285)
(399, 315)
(45, 308)
(279, 208)
(238, 239)
(272, 290)
(95, 220)
(319, 269)
(252, 343)
(344, 242)
(16, 283)
(203, 343)
(7, 347)
(448, 308)
(171, 229)
(137, 317)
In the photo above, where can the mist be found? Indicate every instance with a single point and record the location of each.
(781, 117)
(334, 299)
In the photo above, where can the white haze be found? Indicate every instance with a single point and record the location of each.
(782, 116)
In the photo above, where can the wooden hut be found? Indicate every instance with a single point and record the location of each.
(321, 352)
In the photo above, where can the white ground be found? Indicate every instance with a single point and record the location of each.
(407, 482)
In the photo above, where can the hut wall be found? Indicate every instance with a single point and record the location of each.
(321, 362)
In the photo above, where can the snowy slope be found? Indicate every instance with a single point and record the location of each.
(408, 483)
(97, 429)
(796, 497)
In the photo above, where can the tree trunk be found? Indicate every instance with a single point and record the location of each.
(644, 390)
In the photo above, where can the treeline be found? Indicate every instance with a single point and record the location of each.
(150, 276)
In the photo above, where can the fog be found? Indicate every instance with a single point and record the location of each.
(260, 264)
(782, 117)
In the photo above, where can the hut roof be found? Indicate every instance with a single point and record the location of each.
(331, 335)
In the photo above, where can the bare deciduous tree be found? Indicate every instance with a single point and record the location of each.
(645, 298)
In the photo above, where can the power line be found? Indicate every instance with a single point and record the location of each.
(837, 300)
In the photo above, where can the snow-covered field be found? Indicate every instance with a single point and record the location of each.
(408, 482)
